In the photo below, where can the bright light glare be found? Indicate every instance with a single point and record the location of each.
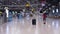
(53, 11)
(43, 4)
(57, 10)
(57, 24)
(53, 23)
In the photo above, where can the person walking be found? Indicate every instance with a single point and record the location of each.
(44, 18)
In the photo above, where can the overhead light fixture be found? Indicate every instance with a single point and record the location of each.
(43, 4)
(57, 10)
(18, 0)
(53, 11)
(53, 6)
(49, 8)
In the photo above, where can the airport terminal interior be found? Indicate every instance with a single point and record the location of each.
(29, 16)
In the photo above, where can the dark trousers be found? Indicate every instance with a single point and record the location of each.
(18, 16)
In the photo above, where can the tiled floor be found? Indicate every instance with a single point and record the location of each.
(24, 26)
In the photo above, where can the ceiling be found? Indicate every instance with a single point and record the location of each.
(17, 2)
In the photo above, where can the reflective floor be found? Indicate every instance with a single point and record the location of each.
(24, 26)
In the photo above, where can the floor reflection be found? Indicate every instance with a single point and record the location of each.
(24, 26)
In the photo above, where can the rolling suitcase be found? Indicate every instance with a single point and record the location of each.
(33, 21)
